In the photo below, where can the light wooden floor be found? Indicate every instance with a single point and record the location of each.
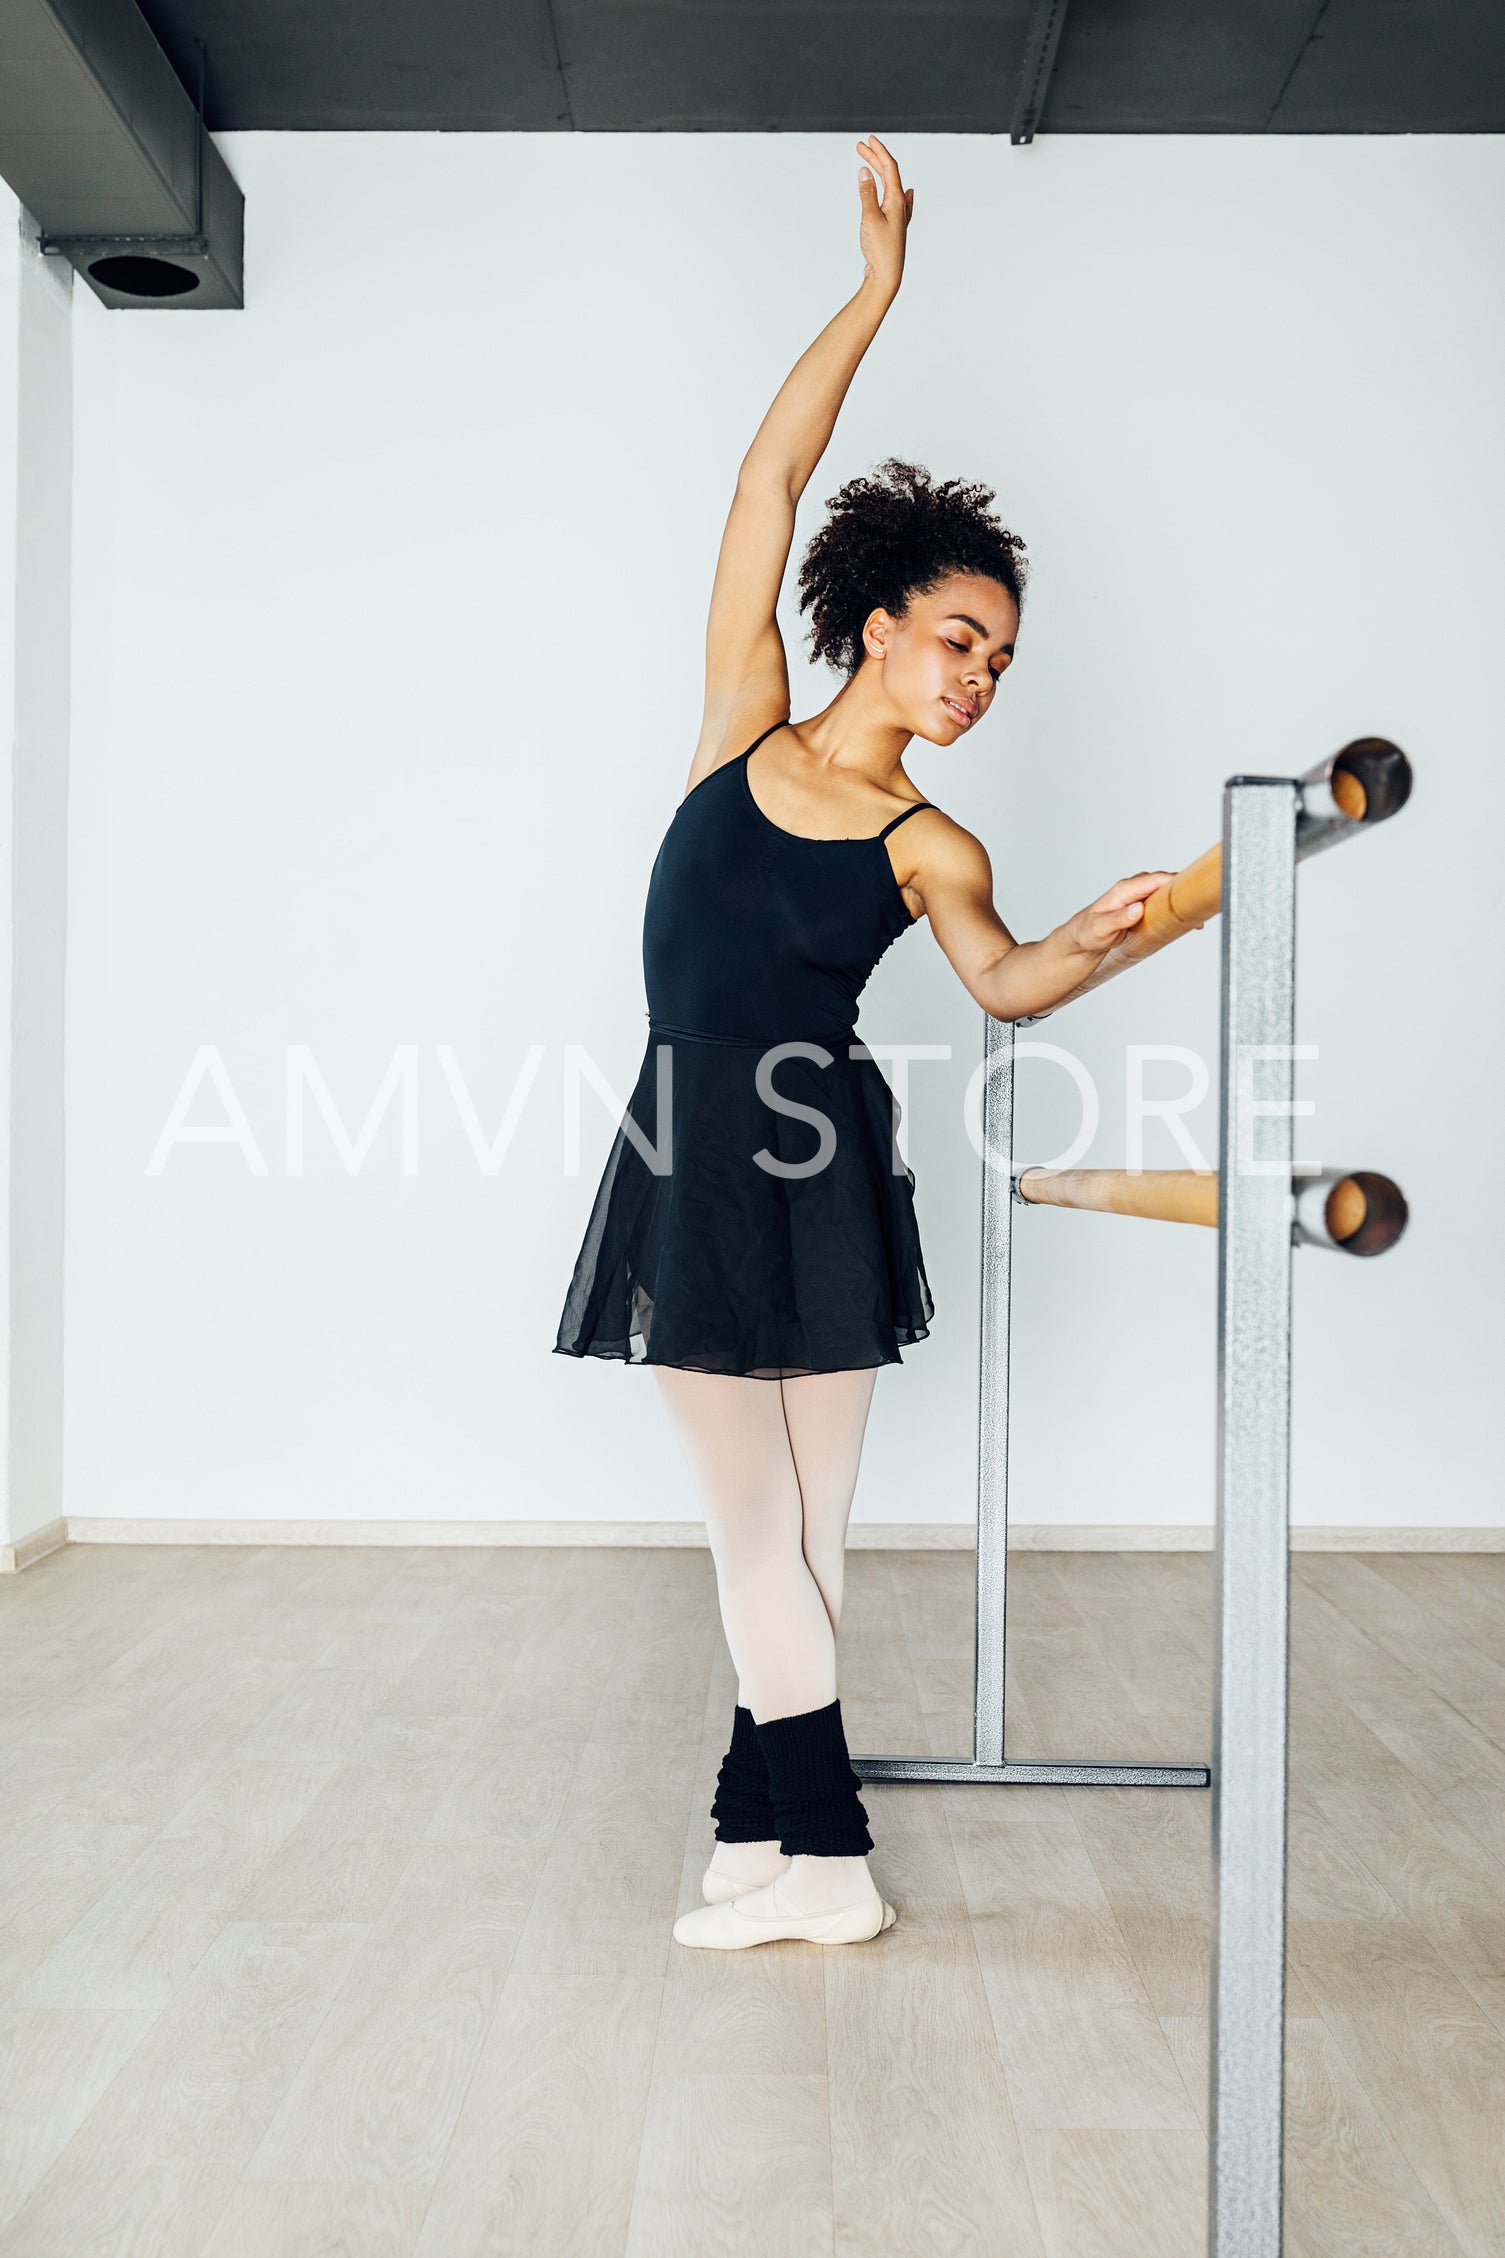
(337, 1889)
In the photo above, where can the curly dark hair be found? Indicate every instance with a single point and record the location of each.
(890, 537)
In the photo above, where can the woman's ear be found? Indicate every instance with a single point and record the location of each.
(875, 633)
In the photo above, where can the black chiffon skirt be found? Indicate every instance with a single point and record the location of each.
(700, 1253)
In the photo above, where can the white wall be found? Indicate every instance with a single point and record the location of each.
(390, 595)
(36, 440)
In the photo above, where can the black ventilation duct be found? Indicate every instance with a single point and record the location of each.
(107, 150)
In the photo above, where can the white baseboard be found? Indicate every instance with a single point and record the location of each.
(86, 1529)
(863, 1536)
(26, 1550)
(1197, 1537)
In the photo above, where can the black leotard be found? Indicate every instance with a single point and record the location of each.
(754, 934)
(755, 1216)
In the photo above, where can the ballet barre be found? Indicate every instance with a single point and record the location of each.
(1260, 1213)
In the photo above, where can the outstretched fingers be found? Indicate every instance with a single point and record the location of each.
(886, 206)
(872, 152)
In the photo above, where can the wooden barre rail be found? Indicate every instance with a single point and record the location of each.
(1359, 787)
(1355, 1211)
(1160, 1195)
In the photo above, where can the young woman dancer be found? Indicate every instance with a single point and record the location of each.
(755, 1222)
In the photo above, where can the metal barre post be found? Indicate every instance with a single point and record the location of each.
(1251, 1619)
(991, 1635)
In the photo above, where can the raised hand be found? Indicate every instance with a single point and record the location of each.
(885, 219)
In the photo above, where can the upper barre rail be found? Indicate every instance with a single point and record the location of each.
(1351, 791)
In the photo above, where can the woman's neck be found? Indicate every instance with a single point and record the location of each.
(857, 733)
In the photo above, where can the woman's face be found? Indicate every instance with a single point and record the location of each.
(943, 659)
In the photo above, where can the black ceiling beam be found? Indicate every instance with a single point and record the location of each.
(1044, 37)
(821, 66)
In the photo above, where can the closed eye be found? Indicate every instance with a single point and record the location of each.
(995, 671)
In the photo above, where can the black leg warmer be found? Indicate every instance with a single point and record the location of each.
(743, 1809)
(814, 1786)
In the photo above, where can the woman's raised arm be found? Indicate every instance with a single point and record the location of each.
(746, 678)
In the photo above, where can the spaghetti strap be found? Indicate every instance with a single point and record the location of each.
(904, 818)
(757, 741)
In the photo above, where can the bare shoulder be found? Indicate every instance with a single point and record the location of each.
(935, 856)
(936, 843)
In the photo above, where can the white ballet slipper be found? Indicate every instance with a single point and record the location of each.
(757, 1917)
(719, 1889)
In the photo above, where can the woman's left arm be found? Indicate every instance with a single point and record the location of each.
(1016, 979)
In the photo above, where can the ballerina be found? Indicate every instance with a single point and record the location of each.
(754, 1237)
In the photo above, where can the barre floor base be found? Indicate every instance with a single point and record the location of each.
(956, 1771)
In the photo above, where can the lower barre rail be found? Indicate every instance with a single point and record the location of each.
(1030, 1773)
(1350, 1210)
